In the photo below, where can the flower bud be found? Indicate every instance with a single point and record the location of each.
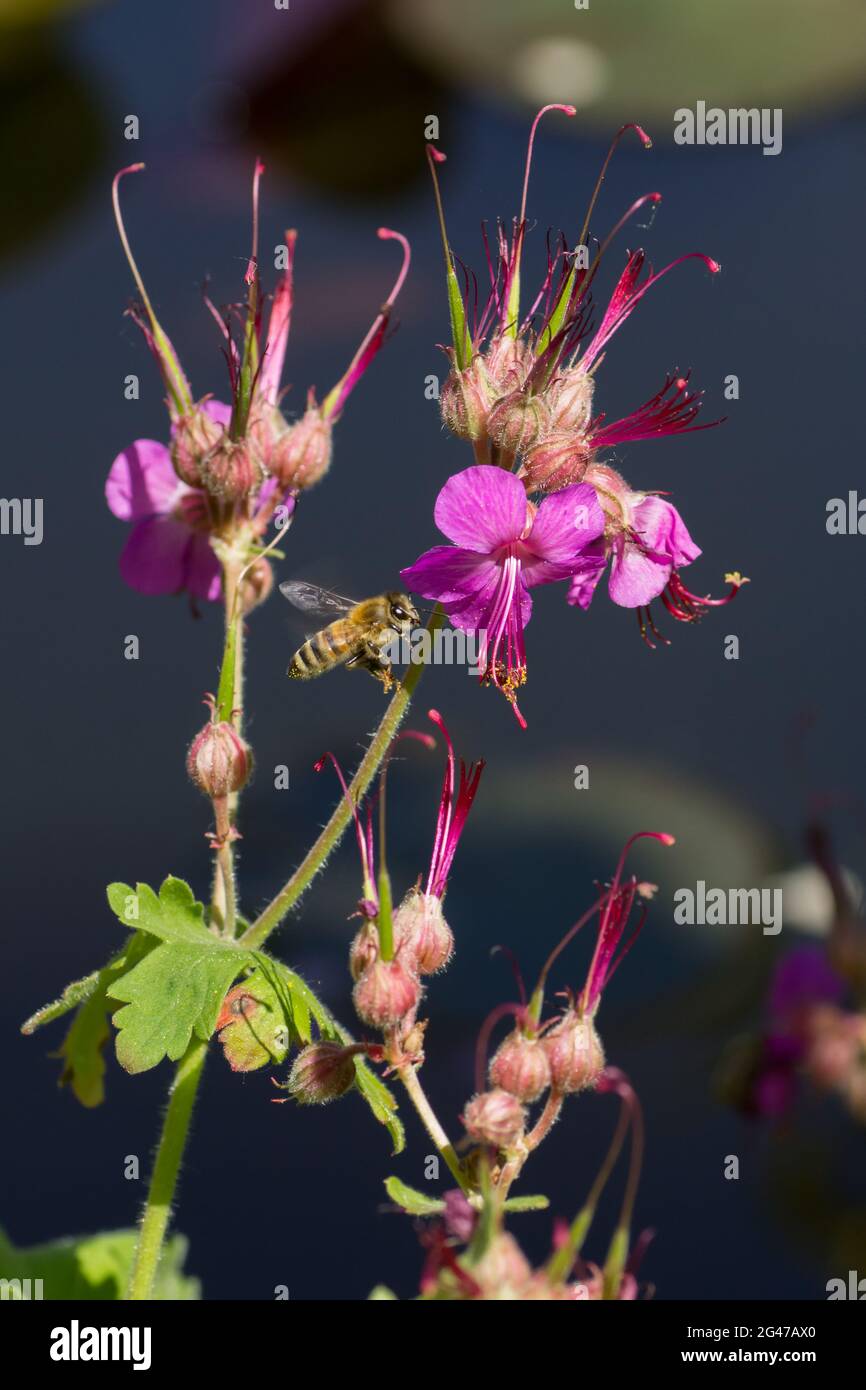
(321, 1072)
(264, 429)
(507, 365)
(232, 470)
(384, 994)
(301, 455)
(421, 934)
(520, 1067)
(465, 401)
(495, 1118)
(192, 438)
(503, 1271)
(574, 1052)
(517, 421)
(218, 761)
(571, 400)
(554, 461)
(614, 493)
(256, 585)
(364, 949)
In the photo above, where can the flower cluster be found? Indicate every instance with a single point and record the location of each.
(208, 495)
(544, 502)
(393, 951)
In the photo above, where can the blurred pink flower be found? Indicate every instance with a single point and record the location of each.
(168, 550)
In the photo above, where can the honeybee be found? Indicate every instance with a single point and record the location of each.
(358, 639)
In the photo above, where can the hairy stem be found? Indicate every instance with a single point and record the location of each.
(168, 1159)
(257, 934)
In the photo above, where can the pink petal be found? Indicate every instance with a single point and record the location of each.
(565, 524)
(448, 573)
(662, 529)
(141, 481)
(154, 559)
(218, 411)
(636, 578)
(482, 508)
(473, 613)
(202, 578)
(585, 578)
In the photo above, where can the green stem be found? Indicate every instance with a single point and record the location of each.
(168, 1159)
(409, 1076)
(256, 935)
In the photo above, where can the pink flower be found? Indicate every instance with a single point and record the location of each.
(650, 542)
(502, 547)
(646, 541)
(168, 550)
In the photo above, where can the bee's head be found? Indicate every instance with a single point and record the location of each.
(402, 613)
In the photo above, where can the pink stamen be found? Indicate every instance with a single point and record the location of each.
(670, 411)
(625, 298)
(363, 847)
(336, 399)
(623, 130)
(279, 323)
(554, 106)
(452, 812)
(610, 930)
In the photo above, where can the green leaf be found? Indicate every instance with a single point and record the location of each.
(411, 1200)
(73, 995)
(179, 987)
(557, 318)
(533, 1202)
(381, 1101)
(91, 1267)
(82, 1048)
(457, 314)
(262, 1017)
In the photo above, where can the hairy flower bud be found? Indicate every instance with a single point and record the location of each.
(421, 935)
(465, 401)
(520, 1066)
(256, 585)
(508, 363)
(518, 420)
(384, 994)
(321, 1072)
(570, 399)
(503, 1271)
(495, 1118)
(574, 1052)
(218, 761)
(364, 949)
(193, 436)
(554, 461)
(232, 470)
(301, 455)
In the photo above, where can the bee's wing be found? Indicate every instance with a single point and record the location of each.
(309, 598)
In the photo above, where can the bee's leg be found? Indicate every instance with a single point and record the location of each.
(371, 658)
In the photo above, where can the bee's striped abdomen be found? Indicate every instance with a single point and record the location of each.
(320, 653)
